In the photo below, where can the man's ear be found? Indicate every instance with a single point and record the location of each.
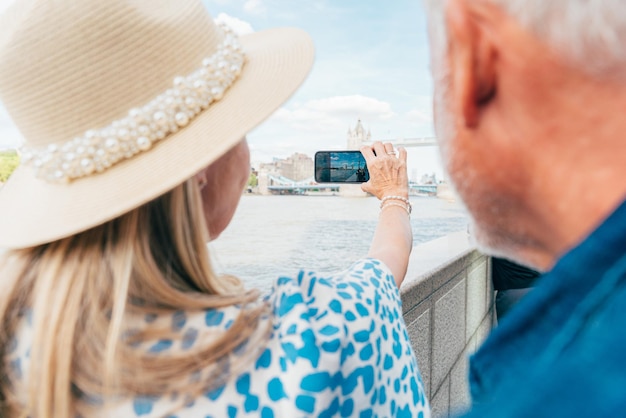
(472, 60)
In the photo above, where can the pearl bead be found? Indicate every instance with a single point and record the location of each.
(143, 130)
(160, 118)
(217, 93)
(106, 133)
(179, 82)
(143, 143)
(135, 115)
(123, 134)
(182, 119)
(87, 165)
(112, 144)
(190, 102)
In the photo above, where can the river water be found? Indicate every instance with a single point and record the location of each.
(272, 236)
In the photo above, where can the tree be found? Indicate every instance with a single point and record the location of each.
(9, 160)
(253, 181)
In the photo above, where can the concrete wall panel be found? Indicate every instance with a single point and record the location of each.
(447, 302)
(448, 331)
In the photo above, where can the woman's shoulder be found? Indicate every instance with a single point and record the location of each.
(363, 280)
(334, 305)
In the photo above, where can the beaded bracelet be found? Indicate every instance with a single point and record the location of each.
(408, 207)
(405, 207)
(404, 199)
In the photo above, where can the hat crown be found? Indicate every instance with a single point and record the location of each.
(62, 74)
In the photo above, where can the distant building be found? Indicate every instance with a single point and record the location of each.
(414, 175)
(429, 179)
(358, 136)
(297, 167)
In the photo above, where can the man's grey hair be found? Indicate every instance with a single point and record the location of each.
(590, 34)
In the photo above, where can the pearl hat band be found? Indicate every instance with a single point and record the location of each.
(98, 150)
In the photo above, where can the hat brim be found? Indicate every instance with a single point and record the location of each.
(33, 211)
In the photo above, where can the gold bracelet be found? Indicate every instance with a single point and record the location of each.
(405, 207)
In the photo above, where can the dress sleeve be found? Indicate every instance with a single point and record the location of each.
(349, 331)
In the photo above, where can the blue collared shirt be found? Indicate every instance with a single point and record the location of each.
(561, 352)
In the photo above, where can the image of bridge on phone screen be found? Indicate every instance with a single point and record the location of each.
(340, 167)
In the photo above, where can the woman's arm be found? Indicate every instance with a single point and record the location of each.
(393, 238)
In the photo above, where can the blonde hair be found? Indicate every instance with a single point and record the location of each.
(153, 259)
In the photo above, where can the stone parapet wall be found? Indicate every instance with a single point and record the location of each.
(448, 306)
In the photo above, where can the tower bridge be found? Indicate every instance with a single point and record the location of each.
(273, 181)
(410, 142)
(284, 185)
(359, 137)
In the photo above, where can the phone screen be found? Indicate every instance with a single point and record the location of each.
(340, 167)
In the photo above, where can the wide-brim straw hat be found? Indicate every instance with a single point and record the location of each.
(70, 67)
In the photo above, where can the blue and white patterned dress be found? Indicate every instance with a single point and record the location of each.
(339, 348)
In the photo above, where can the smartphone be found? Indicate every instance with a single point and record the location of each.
(340, 167)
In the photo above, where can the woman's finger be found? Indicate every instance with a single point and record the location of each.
(379, 148)
(402, 155)
(368, 153)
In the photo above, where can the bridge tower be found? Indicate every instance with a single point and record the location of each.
(357, 137)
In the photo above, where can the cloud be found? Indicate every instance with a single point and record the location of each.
(255, 7)
(320, 114)
(4, 4)
(241, 27)
(420, 116)
(353, 105)
(320, 124)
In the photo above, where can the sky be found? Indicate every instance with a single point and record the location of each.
(371, 64)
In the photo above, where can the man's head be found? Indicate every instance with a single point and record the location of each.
(528, 110)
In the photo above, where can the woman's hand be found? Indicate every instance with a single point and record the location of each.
(388, 172)
(393, 238)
